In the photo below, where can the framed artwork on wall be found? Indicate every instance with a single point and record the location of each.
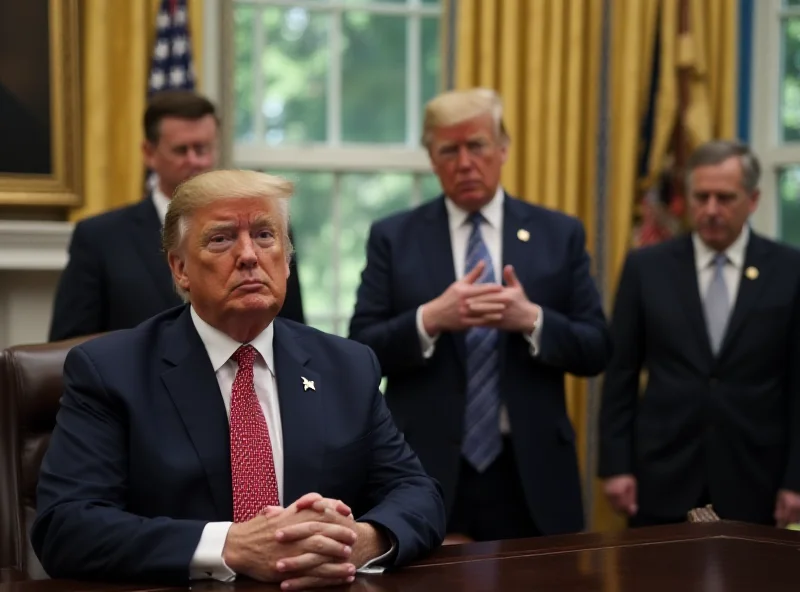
(40, 143)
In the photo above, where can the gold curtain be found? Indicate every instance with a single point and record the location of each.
(543, 57)
(705, 53)
(117, 44)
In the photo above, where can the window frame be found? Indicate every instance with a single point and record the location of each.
(333, 156)
(765, 132)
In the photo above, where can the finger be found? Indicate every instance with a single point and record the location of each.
(328, 570)
(306, 583)
(335, 505)
(271, 511)
(481, 308)
(301, 562)
(306, 501)
(474, 274)
(510, 276)
(473, 290)
(304, 530)
(314, 551)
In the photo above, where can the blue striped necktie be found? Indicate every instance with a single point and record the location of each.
(482, 442)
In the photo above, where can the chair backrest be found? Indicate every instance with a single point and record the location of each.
(31, 384)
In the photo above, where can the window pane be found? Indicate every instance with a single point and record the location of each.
(243, 72)
(431, 188)
(373, 78)
(431, 60)
(294, 66)
(789, 190)
(312, 229)
(364, 199)
(790, 81)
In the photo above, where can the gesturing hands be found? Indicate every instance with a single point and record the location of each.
(466, 304)
(313, 543)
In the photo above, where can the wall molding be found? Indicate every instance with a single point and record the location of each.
(34, 246)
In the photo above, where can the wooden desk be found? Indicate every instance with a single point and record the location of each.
(716, 557)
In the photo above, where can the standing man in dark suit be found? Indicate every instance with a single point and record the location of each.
(215, 440)
(477, 304)
(714, 319)
(117, 276)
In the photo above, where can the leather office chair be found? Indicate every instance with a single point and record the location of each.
(31, 383)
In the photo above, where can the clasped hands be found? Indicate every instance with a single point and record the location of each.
(467, 304)
(314, 542)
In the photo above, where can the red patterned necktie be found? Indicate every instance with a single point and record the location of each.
(255, 485)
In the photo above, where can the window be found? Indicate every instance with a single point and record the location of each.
(329, 93)
(775, 121)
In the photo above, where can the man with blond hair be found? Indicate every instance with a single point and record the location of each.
(215, 439)
(477, 304)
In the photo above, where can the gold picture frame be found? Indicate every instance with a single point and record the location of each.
(44, 167)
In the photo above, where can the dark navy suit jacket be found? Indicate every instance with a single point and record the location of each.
(117, 275)
(410, 262)
(726, 424)
(139, 460)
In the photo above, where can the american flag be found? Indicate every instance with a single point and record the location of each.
(172, 66)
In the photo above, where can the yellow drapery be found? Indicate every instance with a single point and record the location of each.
(709, 51)
(543, 57)
(117, 44)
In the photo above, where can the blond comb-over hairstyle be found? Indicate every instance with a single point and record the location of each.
(213, 186)
(457, 106)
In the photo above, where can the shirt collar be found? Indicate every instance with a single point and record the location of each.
(735, 253)
(492, 211)
(221, 347)
(161, 202)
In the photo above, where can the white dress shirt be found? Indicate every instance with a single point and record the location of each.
(732, 272)
(161, 202)
(492, 234)
(207, 561)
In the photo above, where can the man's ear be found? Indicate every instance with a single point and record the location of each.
(148, 153)
(178, 267)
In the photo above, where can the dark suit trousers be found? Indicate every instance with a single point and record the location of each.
(491, 506)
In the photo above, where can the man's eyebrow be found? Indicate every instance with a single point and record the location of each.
(217, 227)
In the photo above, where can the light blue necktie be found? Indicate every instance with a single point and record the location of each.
(717, 304)
(482, 442)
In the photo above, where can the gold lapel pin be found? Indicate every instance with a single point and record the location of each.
(308, 384)
(751, 273)
(523, 235)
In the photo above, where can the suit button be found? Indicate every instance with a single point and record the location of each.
(713, 382)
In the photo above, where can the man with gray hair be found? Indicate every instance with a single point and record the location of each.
(713, 318)
(216, 439)
(477, 304)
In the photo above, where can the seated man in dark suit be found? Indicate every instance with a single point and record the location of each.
(117, 276)
(201, 443)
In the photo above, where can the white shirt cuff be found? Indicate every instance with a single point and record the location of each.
(370, 566)
(534, 338)
(207, 562)
(426, 342)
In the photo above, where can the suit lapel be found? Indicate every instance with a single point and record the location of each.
(756, 256)
(686, 284)
(302, 414)
(515, 252)
(192, 385)
(147, 242)
(436, 251)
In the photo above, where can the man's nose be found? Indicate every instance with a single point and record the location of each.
(247, 251)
